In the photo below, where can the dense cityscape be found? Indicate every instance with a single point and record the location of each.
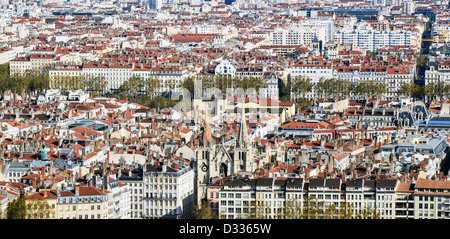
(235, 109)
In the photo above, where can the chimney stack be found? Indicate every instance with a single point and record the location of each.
(34, 184)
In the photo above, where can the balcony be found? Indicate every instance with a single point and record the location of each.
(404, 214)
(404, 217)
(405, 199)
(404, 205)
(369, 197)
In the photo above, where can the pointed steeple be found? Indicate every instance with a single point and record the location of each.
(243, 140)
(207, 138)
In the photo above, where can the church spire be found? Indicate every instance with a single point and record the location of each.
(207, 136)
(243, 140)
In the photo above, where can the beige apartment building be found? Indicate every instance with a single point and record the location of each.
(273, 198)
(431, 199)
(35, 62)
(40, 61)
(19, 65)
(83, 202)
(59, 75)
(42, 205)
(262, 197)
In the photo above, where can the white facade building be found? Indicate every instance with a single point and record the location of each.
(225, 67)
(363, 36)
(168, 192)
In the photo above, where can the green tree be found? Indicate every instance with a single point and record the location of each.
(421, 61)
(368, 213)
(371, 54)
(134, 84)
(343, 87)
(300, 86)
(253, 210)
(310, 209)
(291, 210)
(223, 82)
(249, 82)
(410, 90)
(94, 84)
(151, 85)
(286, 91)
(321, 88)
(202, 211)
(17, 209)
(326, 211)
(189, 84)
(345, 210)
(303, 103)
(436, 90)
(369, 88)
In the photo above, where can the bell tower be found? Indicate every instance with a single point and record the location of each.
(243, 153)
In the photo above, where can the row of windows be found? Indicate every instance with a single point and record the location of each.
(161, 195)
(253, 195)
(16, 174)
(160, 187)
(167, 203)
(427, 214)
(80, 207)
(41, 215)
(161, 212)
(232, 195)
(86, 216)
(160, 180)
(426, 206)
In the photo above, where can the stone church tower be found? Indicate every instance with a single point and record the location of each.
(244, 149)
(216, 159)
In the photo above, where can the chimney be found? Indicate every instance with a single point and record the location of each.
(77, 191)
